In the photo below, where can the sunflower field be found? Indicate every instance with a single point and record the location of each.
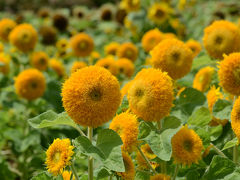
(119, 90)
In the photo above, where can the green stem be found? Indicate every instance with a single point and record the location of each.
(111, 177)
(80, 131)
(74, 172)
(235, 154)
(147, 161)
(218, 151)
(176, 172)
(90, 159)
(159, 125)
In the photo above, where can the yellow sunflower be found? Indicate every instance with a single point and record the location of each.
(39, 60)
(173, 57)
(151, 38)
(93, 57)
(221, 37)
(195, 46)
(169, 36)
(213, 95)
(159, 12)
(128, 50)
(4, 63)
(160, 177)
(57, 66)
(129, 173)
(125, 66)
(30, 84)
(130, 5)
(91, 96)
(62, 45)
(203, 78)
(111, 49)
(126, 125)
(151, 94)
(229, 73)
(66, 175)
(59, 155)
(78, 65)
(82, 45)
(186, 146)
(24, 37)
(235, 118)
(125, 88)
(6, 26)
(108, 63)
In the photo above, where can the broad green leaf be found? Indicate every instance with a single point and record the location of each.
(233, 176)
(171, 122)
(202, 61)
(161, 143)
(5, 173)
(102, 173)
(31, 140)
(231, 143)
(215, 132)
(109, 142)
(141, 175)
(50, 118)
(204, 135)
(222, 109)
(144, 130)
(41, 176)
(193, 175)
(219, 168)
(200, 117)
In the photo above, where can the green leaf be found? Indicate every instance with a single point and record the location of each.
(215, 132)
(144, 130)
(140, 175)
(202, 61)
(219, 168)
(109, 142)
(222, 109)
(41, 176)
(50, 118)
(200, 117)
(5, 173)
(171, 122)
(161, 144)
(102, 173)
(231, 143)
(234, 176)
(31, 140)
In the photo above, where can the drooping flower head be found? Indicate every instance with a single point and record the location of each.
(151, 94)
(235, 118)
(186, 146)
(221, 37)
(6, 26)
(4, 61)
(30, 84)
(108, 63)
(59, 155)
(125, 66)
(229, 73)
(129, 173)
(111, 49)
(128, 50)
(159, 12)
(203, 78)
(151, 38)
(160, 177)
(24, 37)
(91, 96)
(195, 46)
(82, 44)
(78, 65)
(57, 66)
(126, 125)
(173, 57)
(39, 60)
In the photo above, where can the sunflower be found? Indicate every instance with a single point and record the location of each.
(66, 175)
(59, 155)
(229, 73)
(151, 94)
(125, 66)
(126, 125)
(213, 95)
(80, 12)
(44, 12)
(78, 65)
(62, 45)
(186, 146)
(24, 37)
(235, 118)
(82, 44)
(39, 60)
(195, 46)
(221, 37)
(203, 78)
(159, 12)
(169, 36)
(57, 66)
(6, 26)
(130, 5)
(91, 96)
(94, 56)
(49, 35)
(160, 177)
(4, 63)
(128, 50)
(1, 47)
(125, 88)
(106, 12)
(129, 173)
(151, 38)
(120, 15)
(108, 63)
(173, 57)
(30, 84)
(111, 49)
(60, 22)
